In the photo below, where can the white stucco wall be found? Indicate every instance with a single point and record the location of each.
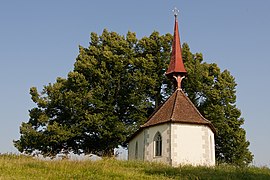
(181, 144)
(132, 146)
(150, 133)
(192, 144)
(146, 145)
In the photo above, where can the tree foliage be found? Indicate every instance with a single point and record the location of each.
(214, 94)
(116, 83)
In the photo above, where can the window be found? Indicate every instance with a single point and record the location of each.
(136, 150)
(158, 144)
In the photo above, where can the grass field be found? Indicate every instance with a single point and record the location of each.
(22, 167)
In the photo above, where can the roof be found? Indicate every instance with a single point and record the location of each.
(176, 65)
(177, 109)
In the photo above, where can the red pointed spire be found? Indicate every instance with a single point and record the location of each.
(176, 67)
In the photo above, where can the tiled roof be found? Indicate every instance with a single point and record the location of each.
(177, 109)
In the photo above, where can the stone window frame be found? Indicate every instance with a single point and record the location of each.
(158, 144)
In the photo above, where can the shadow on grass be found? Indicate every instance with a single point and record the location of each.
(219, 172)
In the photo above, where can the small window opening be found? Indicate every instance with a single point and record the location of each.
(158, 144)
(136, 150)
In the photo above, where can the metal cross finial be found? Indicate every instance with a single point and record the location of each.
(175, 12)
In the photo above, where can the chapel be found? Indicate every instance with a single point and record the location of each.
(176, 133)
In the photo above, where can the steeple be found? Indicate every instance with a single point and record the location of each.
(176, 133)
(176, 69)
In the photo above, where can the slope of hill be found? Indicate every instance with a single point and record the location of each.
(23, 167)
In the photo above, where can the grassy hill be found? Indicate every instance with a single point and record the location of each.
(22, 167)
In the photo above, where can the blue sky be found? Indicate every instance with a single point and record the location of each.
(39, 42)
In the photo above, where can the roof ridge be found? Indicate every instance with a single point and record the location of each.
(158, 108)
(174, 102)
(194, 107)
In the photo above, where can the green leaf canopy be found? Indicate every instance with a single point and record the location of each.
(116, 83)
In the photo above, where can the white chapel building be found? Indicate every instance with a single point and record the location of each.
(176, 133)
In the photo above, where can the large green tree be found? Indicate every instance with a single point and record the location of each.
(116, 83)
(214, 94)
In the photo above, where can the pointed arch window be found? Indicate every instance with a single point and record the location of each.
(158, 144)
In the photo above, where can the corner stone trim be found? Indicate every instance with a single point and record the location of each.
(147, 143)
(168, 145)
(174, 144)
(205, 145)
